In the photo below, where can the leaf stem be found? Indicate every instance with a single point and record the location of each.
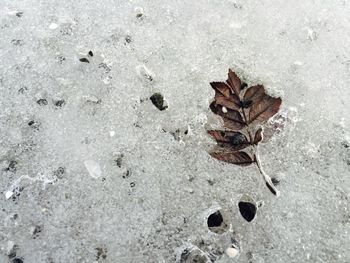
(266, 177)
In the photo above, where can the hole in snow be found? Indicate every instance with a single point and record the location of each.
(216, 223)
(247, 208)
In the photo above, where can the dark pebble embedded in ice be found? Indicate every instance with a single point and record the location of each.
(158, 101)
(85, 60)
(17, 260)
(90, 53)
(247, 210)
(127, 174)
(42, 102)
(36, 231)
(345, 144)
(59, 102)
(211, 182)
(128, 39)
(275, 181)
(33, 124)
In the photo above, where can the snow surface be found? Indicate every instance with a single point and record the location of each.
(156, 185)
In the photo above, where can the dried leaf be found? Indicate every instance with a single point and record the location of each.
(238, 112)
(224, 96)
(234, 157)
(230, 139)
(254, 94)
(222, 88)
(232, 103)
(264, 109)
(258, 136)
(232, 118)
(234, 82)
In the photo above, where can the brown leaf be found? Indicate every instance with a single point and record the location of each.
(222, 88)
(254, 94)
(234, 82)
(232, 103)
(264, 109)
(225, 96)
(258, 136)
(233, 140)
(232, 118)
(234, 157)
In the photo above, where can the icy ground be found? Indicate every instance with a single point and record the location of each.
(92, 171)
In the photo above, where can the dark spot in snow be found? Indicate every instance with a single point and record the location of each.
(17, 260)
(158, 101)
(60, 58)
(23, 89)
(90, 53)
(247, 210)
(128, 39)
(275, 181)
(101, 253)
(85, 60)
(132, 184)
(59, 173)
(345, 144)
(12, 166)
(127, 174)
(17, 42)
(176, 134)
(33, 124)
(36, 231)
(59, 102)
(210, 182)
(19, 14)
(215, 219)
(16, 193)
(42, 102)
(119, 160)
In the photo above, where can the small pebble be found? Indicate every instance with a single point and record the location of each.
(8, 194)
(53, 26)
(42, 102)
(158, 101)
(85, 60)
(232, 252)
(139, 12)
